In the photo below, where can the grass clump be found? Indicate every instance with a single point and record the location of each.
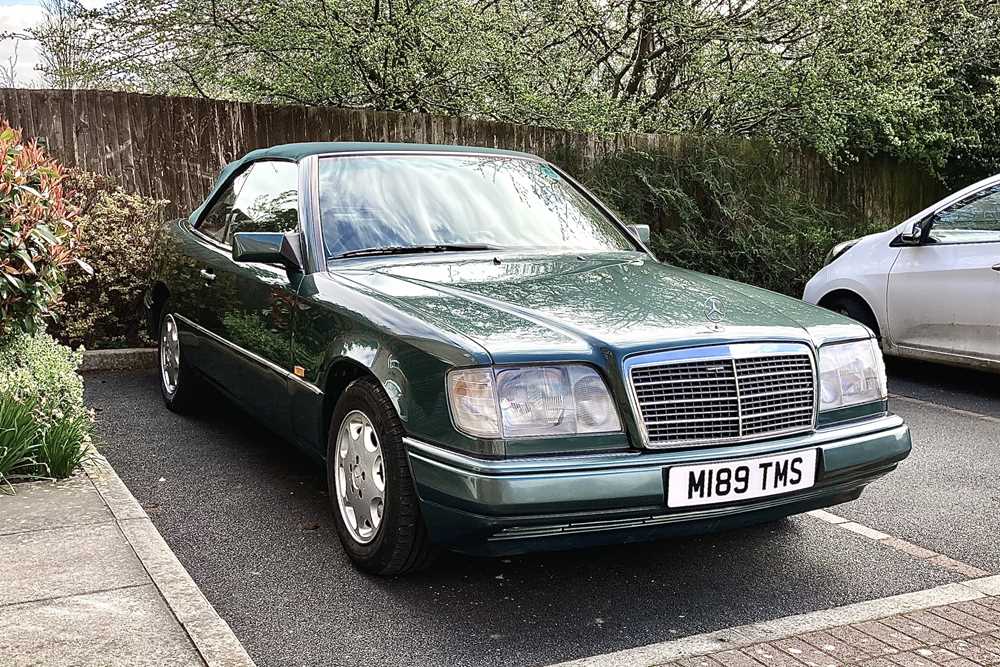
(18, 441)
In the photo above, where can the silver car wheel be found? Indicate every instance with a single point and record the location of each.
(360, 477)
(170, 354)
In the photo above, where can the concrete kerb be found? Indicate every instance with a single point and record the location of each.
(119, 360)
(211, 635)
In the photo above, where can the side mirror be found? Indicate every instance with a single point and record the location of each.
(269, 248)
(914, 235)
(641, 232)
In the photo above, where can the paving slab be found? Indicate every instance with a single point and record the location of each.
(129, 626)
(91, 582)
(32, 505)
(953, 625)
(67, 561)
(906, 642)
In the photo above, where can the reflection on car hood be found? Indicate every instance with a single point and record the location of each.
(620, 302)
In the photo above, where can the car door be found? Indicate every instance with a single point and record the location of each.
(249, 309)
(944, 294)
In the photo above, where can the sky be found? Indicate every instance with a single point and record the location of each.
(15, 16)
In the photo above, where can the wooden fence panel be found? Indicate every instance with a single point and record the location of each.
(173, 147)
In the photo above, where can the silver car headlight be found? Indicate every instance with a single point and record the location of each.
(851, 374)
(531, 401)
(839, 249)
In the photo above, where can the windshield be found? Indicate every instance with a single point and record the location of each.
(399, 201)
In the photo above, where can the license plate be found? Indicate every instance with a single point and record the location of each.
(730, 481)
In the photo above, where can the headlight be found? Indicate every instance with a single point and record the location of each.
(531, 401)
(851, 374)
(839, 250)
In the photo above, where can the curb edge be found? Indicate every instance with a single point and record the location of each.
(131, 358)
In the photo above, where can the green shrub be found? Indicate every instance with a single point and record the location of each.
(729, 209)
(36, 369)
(18, 441)
(46, 426)
(38, 238)
(119, 235)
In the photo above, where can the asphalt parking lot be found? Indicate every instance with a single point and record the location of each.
(248, 516)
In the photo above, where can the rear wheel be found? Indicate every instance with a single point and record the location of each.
(375, 505)
(178, 383)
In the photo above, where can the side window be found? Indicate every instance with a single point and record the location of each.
(215, 222)
(974, 219)
(268, 200)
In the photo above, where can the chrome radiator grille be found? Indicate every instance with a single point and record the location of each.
(724, 399)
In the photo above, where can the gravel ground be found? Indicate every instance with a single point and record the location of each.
(249, 518)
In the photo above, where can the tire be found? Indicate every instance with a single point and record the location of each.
(180, 390)
(856, 309)
(381, 535)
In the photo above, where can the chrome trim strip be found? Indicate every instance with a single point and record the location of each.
(217, 246)
(845, 434)
(926, 352)
(310, 222)
(739, 399)
(558, 529)
(726, 352)
(250, 355)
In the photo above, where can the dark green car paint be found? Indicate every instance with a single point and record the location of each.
(283, 342)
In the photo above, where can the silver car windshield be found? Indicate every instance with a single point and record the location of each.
(445, 202)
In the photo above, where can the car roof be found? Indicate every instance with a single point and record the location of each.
(305, 149)
(298, 151)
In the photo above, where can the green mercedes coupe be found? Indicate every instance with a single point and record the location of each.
(488, 360)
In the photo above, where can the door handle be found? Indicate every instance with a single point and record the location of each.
(207, 275)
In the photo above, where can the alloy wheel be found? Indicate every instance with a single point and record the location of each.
(360, 477)
(170, 354)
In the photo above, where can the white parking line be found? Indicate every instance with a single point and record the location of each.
(917, 551)
(745, 635)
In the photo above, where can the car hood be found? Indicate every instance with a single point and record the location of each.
(545, 306)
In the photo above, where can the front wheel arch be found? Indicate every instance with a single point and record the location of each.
(854, 306)
(338, 378)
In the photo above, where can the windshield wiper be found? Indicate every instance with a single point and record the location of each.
(414, 249)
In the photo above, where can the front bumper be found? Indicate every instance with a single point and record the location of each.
(516, 505)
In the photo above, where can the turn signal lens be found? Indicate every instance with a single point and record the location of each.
(474, 402)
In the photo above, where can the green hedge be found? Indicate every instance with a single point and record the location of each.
(728, 210)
